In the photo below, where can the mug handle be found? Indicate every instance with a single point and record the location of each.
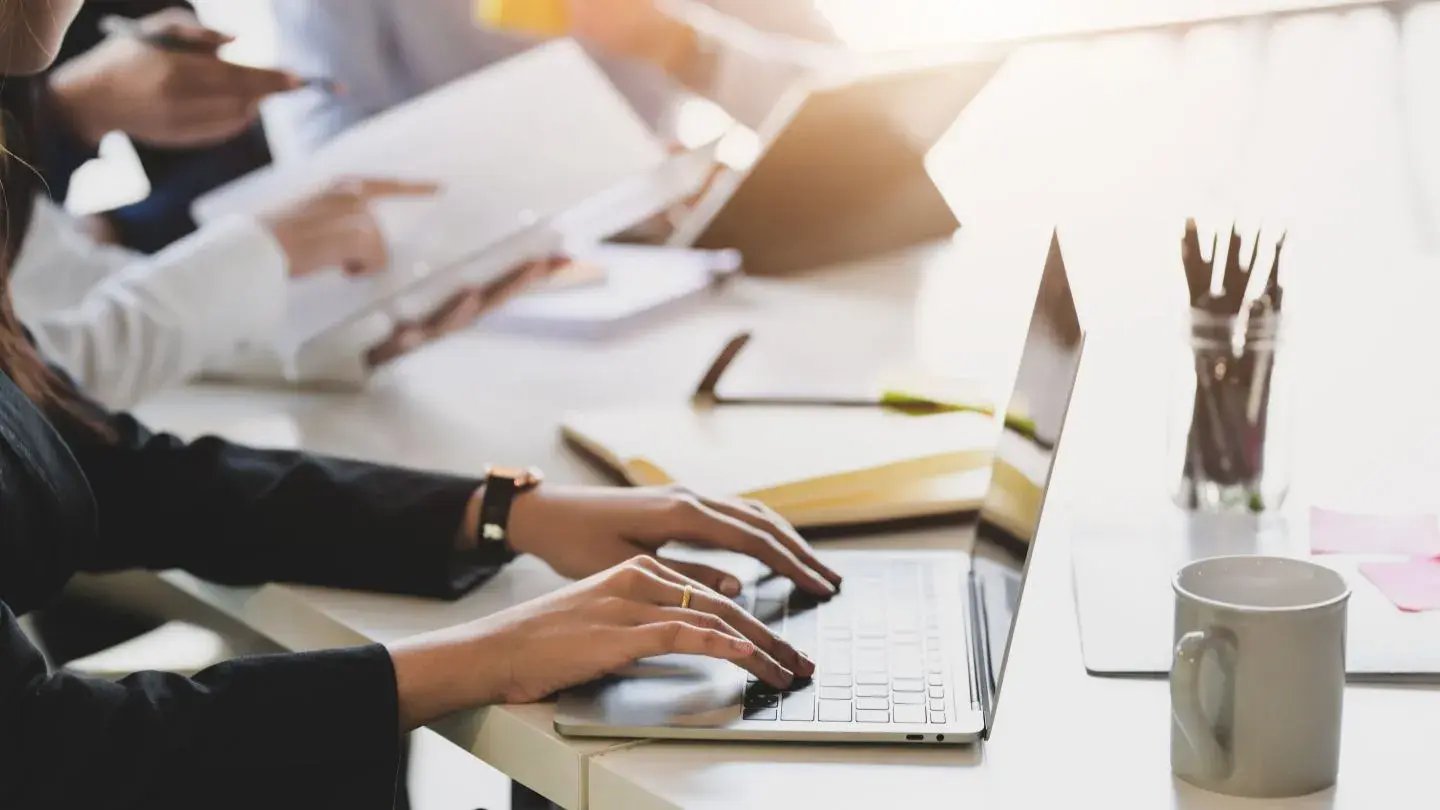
(1210, 741)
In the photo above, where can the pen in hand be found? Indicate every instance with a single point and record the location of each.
(115, 25)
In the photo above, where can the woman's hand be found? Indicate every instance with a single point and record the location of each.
(591, 628)
(459, 311)
(336, 228)
(581, 530)
(161, 97)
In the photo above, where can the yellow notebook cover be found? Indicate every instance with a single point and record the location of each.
(816, 466)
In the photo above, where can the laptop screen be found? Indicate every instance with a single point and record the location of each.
(1020, 475)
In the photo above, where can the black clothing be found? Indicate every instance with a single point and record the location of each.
(305, 730)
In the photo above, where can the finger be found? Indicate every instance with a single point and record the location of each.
(457, 312)
(767, 520)
(402, 341)
(669, 591)
(699, 523)
(373, 187)
(514, 283)
(769, 669)
(183, 24)
(712, 578)
(368, 253)
(254, 83)
(687, 639)
(209, 115)
(193, 33)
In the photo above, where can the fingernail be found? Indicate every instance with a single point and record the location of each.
(730, 586)
(807, 666)
(742, 646)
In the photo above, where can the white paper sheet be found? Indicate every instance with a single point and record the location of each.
(519, 149)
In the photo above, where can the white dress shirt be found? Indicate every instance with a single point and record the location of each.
(125, 325)
(385, 52)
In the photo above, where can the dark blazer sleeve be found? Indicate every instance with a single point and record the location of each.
(240, 515)
(250, 733)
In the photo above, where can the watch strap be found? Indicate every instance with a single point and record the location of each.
(495, 506)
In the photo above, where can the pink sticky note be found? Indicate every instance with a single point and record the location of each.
(1413, 585)
(1344, 533)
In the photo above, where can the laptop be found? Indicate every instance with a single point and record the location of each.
(913, 648)
(843, 175)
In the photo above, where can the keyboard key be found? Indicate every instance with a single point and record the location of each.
(908, 685)
(936, 680)
(937, 705)
(837, 666)
(872, 703)
(872, 678)
(835, 711)
(835, 679)
(767, 610)
(913, 698)
(798, 707)
(937, 691)
(906, 670)
(761, 713)
(910, 714)
(871, 662)
(835, 693)
(872, 690)
(872, 716)
(937, 717)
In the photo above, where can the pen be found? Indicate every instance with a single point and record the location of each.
(116, 26)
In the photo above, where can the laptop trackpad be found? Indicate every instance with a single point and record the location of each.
(668, 690)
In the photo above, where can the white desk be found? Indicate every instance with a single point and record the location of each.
(479, 398)
(1322, 122)
(1117, 140)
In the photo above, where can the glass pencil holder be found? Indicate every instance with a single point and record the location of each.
(1229, 423)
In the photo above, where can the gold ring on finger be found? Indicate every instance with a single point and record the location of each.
(685, 597)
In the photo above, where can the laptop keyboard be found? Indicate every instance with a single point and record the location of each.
(877, 647)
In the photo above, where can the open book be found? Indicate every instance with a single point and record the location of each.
(532, 153)
(816, 466)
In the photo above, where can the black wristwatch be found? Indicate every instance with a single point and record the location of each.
(502, 484)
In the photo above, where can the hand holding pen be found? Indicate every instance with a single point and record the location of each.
(161, 81)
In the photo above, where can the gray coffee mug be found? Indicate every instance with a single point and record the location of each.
(1264, 719)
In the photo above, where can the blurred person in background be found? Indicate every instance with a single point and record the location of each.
(194, 119)
(126, 325)
(742, 54)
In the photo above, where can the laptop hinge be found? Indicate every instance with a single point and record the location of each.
(980, 661)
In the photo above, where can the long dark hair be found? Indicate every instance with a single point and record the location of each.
(20, 125)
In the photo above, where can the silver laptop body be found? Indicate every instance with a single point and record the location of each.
(913, 648)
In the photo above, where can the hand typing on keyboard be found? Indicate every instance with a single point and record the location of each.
(880, 654)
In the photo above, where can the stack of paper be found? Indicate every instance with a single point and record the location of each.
(634, 282)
